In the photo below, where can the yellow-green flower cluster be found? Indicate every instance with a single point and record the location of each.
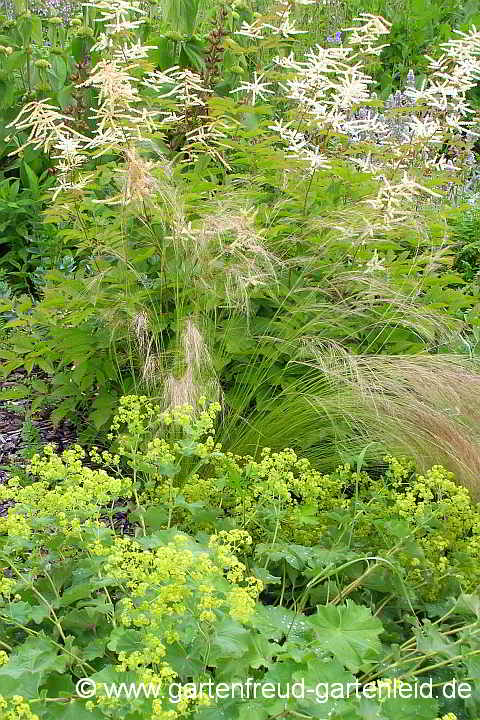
(152, 442)
(15, 525)
(78, 493)
(138, 415)
(164, 585)
(243, 595)
(3, 658)
(399, 470)
(445, 524)
(279, 480)
(278, 496)
(281, 494)
(6, 586)
(175, 579)
(437, 486)
(16, 708)
(197, 425)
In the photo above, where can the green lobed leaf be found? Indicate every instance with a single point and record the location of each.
(349, 632)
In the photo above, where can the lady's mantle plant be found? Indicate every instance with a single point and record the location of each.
(229, 569)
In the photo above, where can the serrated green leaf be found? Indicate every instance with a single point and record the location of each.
(410, 708)
(126, 640)
(278, 622)
(28, 666)
(349, 632)
(22, 612)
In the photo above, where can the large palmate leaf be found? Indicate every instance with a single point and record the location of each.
(29, 665)
(349, 632)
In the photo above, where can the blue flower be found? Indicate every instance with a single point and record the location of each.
(337, 38)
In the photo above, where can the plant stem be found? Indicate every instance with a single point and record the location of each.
(307, 192)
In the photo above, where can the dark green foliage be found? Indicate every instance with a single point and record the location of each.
(466, 234)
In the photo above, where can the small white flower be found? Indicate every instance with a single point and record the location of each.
(115, 85)
(104, 42)
(296, 141)
(464, 126)
(350, 89)
(285, 29)
(136, 51)
(444, 164)
(426, 129)
(375, 263)
(255, 88)
(68, 147)
(391, 198)
(366, 35)
(366, 164)
(116, 15)
(115, 6)
(157, 80)
(65, 185)
(315, 159)
(171, 117)
(107, 138)
(190, 87)
(252, 31)
(47, 126)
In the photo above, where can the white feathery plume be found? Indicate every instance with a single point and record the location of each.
(47, 126)
(366, 36)
(116, 15)
(256, 89)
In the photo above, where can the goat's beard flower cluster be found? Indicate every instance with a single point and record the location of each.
(282, 25)
(120, 119)
(299, 147)
(452, 75)
(392, 198)
(190, 95)
(332, 93)
(255, 89)
(326, 86)
(184, 85)
(117, 15)
(46, 124)
(365, 37)
(329, 87)
(48, 129)
(117, 119)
